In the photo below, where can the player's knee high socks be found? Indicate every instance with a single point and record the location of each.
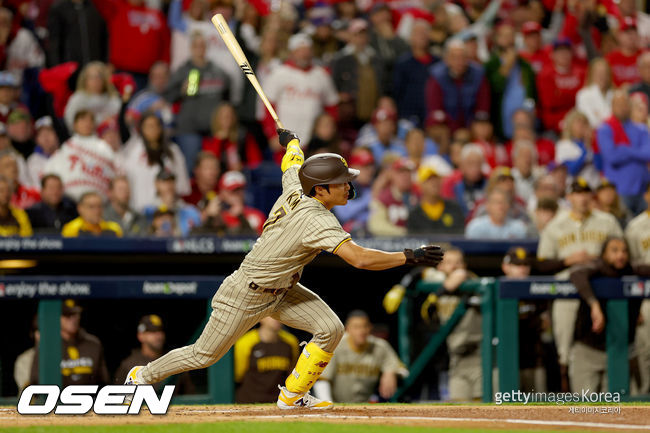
(310, 365)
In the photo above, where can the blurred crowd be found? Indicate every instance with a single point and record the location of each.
(131, 118)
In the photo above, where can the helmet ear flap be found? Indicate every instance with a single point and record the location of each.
(352, 194)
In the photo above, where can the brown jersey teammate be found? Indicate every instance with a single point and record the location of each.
(299, 226)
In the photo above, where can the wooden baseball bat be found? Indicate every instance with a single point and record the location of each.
(236, 51)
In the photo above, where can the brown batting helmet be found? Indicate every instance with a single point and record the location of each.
(326, 169)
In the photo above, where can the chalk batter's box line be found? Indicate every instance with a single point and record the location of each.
(440, 418)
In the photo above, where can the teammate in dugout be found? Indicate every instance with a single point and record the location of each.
(299, 226)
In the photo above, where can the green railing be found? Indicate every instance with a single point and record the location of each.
(485, 288)
(500, 326)
(220, 386)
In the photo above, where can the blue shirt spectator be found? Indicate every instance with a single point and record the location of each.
(625, 148)
(484, 228)
(496, 224)
(384, 121)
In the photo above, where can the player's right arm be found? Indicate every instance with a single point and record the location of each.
(376, 260)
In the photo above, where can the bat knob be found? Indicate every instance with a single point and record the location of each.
(285, 136)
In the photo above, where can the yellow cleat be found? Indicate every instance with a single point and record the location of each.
(133, 378)
(288, 400)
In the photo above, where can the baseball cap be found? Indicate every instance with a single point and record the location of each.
(18, 115)
(502, 172)
(231, 180)
(165, 175)
(381, 114)
(163, 210)
(403, 164)
(357, 25)
(530, 27)
(7, 79)
(321, 14)
(150, 323)
(628, 23)
(579, 185)
(517, 256)
(299, 40)
(562, 43)
(425, 172)
(361, 156)
(43, 122)
(70, 307)
(437, 117)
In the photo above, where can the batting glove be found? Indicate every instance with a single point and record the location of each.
(285, 136)
(427, 255)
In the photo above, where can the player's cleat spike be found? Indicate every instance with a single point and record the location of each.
(288, 400)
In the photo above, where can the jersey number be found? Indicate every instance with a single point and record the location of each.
(275, 217)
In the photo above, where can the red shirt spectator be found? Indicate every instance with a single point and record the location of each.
(557, 86)
(624, 60)
(231, 186)
(533, 52)
(204, 183)
(224, 142)
(138, 35)
(624, 67)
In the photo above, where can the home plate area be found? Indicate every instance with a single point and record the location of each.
(506, 417)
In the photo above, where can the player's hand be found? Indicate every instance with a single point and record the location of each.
(387, 384)
(597, 318)
(393, 298)
(577, 258)
(427, 255)
(285, 136)
(455, 279)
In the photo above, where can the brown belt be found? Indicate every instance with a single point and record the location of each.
(275, 292)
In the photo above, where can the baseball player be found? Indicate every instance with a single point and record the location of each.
(637, 234)
(575, 237)
(299, 226)
(361, 364)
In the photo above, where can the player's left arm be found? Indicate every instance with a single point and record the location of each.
(376, 260)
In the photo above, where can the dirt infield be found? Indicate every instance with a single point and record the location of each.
(630, 418)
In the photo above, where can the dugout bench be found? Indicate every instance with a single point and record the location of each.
(52, 290)
(500, 314)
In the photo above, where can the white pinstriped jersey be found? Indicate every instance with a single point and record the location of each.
(565, 235)
(297, 229)
(637, 234)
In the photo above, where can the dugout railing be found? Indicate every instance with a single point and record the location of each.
(50, 291)
(500, 325)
